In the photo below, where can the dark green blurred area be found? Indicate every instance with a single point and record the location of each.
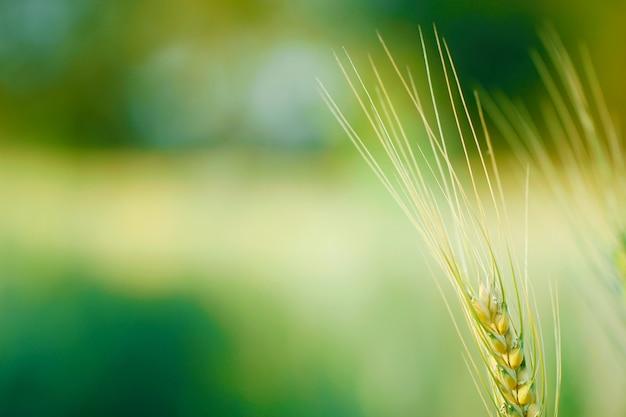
(158, 74)
(180, 235)
(72, 347)
(80, 350)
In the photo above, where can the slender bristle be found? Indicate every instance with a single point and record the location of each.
(620, 262)
(586, 172)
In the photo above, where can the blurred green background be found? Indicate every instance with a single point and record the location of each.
(186, 231)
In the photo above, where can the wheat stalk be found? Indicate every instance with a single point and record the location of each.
(466, 233)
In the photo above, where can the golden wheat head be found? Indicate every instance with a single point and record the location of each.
(459, 210)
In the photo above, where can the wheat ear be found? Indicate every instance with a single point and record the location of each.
(443, 202)
(515, 382)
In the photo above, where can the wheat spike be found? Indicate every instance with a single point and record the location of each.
(466, 230)
(514, 381)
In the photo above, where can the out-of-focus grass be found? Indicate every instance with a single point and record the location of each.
(276, 259)
(309, 282)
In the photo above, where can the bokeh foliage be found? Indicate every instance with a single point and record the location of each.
(185, 231)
